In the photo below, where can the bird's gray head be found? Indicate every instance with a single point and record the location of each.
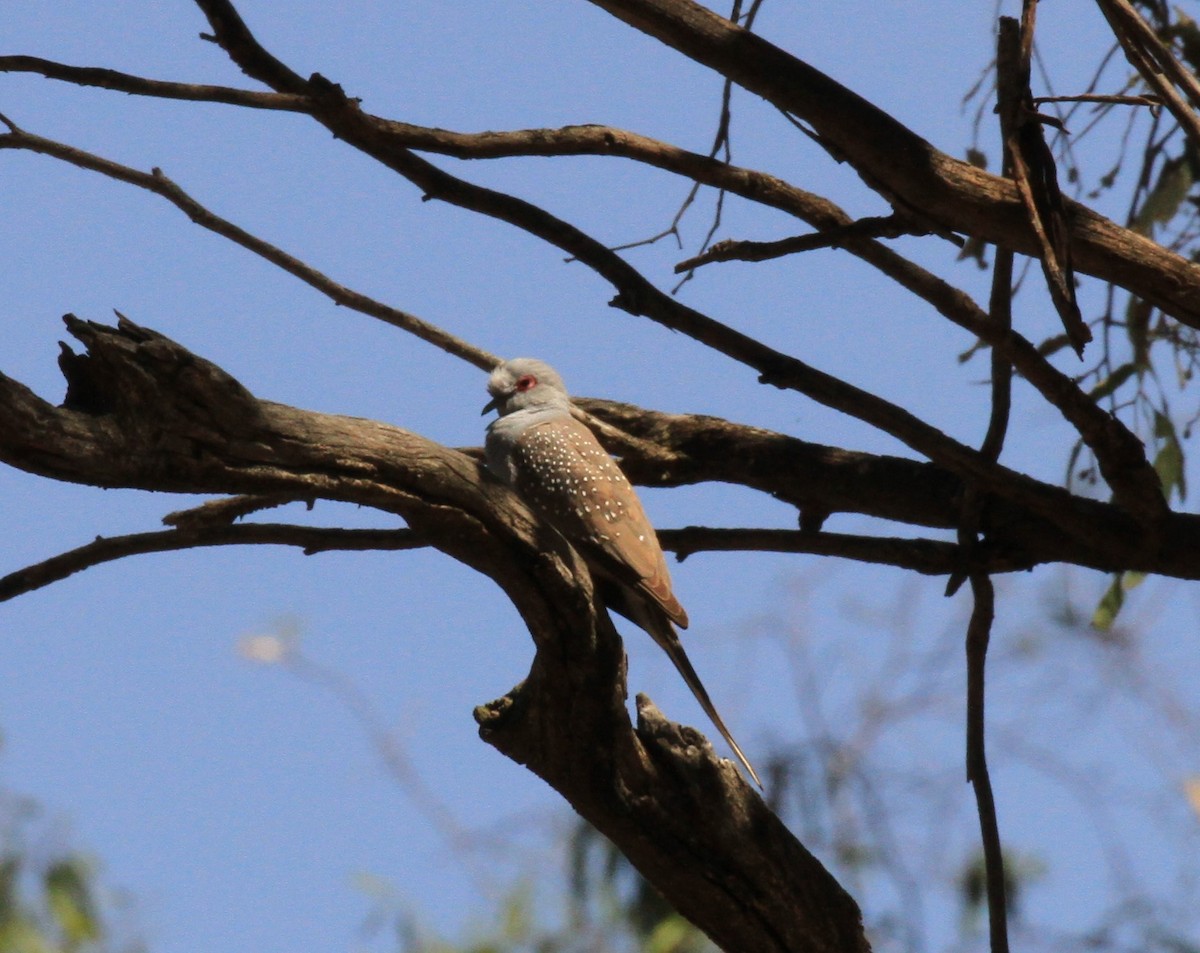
(526, 383)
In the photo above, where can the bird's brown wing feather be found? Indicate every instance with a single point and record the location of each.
(596, 509)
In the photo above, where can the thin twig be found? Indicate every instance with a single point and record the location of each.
(106, 549)
(1155, 102)
(163, 89)
(978, 635)
(155, 181)
(883, 226)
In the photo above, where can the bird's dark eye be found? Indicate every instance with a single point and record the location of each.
(526, 382)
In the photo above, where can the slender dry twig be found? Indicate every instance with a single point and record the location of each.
(1154, 102)
(155, 181)
(106, 549)
(1157, 65)
(142, 86)
(884, 226)
(978, 635)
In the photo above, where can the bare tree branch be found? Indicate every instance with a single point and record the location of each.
(155, 181)
(906, 169)
(142, 86)
(1156, 64)
(695, 448)
(887, 226)
(141, 411)
(1120, 454)
(106, 549)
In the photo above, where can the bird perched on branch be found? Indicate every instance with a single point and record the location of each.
(556, 465)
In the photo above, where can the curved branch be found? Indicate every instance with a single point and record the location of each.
(163, 89)
(106, 549)
(143, 412)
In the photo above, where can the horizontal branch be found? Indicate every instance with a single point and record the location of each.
(163, 89)
(106, 549)
(821, 480)
(926, 556)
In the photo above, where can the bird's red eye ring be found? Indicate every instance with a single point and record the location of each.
(526, 382)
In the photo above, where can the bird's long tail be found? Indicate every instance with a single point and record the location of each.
(664, 634)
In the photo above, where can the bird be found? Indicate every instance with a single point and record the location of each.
(558, 468)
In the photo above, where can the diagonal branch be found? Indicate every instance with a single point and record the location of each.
(1157, 65)
(1120, 455)
(902, 166)
(155, 181)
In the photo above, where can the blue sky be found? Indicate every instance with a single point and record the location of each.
(240, 804)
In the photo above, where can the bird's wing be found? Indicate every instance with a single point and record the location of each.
(578, 488)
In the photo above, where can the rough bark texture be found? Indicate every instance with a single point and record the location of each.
(141, 411)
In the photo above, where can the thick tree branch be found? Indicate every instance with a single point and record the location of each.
(143, 412)
(909, 171)
(1119, 454)
(694, 448)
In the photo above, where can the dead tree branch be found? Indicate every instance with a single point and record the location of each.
(141, 411)
(1119, 454)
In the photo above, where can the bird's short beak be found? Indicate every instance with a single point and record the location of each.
(491, 405)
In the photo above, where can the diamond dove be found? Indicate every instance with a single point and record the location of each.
(557, 466)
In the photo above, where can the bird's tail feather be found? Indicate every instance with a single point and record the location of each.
(665, 636)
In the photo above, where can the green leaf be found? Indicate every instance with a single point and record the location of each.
(1131, 580)
(1168, 193)
(1110, 605)
(672, 935)
(1168, 462)
(1137, 326)
(1053, 344)
(1113, 381)
(69, 898)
